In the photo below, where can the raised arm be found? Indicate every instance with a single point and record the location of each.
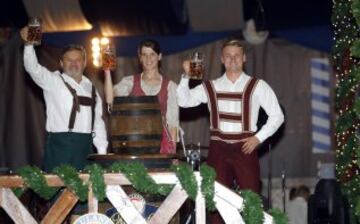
(41, 75)
(172, 112)
(187, 97)
(108, 88)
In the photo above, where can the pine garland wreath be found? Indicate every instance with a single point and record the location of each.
(278, 216)
(187, 179)
(137, 174)
(252, 211)
(71, 179)
(346, 53)
(34, 179)
(18, 191)
(97, 180)
(208, 175)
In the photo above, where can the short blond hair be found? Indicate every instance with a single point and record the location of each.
(233, 42)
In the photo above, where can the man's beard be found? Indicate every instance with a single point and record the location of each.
(74, 72)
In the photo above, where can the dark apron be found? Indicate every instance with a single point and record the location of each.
(67, 148)
(70, 147)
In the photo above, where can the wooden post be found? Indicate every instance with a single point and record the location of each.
(229, 213)
(93, 203)
(170, 206)
(14, 208)
(123, 205)
(200, 207)
(61, 208)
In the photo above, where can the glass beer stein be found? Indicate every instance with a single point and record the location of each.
(109, 58)
(197, 66)
(34, 34)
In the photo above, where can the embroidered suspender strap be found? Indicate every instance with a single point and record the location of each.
(91, 102)
(77, 101)
(230, 117)
(214, 119)
(75, 106)
(218, 135)
(246, 103)
(229, 96)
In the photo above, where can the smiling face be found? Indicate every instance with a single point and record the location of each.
(233, 58)
(73, 63)
(149, 59)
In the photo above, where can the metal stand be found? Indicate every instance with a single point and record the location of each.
(269, 187)
(283, 186)
(192, 155)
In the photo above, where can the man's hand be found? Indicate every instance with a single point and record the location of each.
(24, 33)
(250, 144)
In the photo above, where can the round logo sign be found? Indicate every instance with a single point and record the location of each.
(93, 218)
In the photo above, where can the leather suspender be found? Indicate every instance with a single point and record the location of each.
(81, 100)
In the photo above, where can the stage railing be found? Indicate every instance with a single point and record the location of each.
(228, 203)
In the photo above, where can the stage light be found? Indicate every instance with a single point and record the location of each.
(97, 47)
(103, 53)
(95, 41)
(104, 41)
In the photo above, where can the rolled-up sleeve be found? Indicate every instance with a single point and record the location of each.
(269, 102)
(41, 75)
(100, 139)
(187, 97)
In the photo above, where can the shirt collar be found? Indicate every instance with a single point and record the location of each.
(84, 79)
(242, 77)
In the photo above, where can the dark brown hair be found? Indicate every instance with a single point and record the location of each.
(153, 44)
(73, 47)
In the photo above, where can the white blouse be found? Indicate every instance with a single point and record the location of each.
(125, 86)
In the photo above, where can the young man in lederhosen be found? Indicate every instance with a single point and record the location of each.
(234, 101)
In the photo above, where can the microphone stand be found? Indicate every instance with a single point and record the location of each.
(283, 185)
(269, 190)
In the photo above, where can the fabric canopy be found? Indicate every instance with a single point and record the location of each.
(58, 15)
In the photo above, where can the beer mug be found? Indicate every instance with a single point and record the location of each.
(34, 34)
(109, 57)
(197, 66)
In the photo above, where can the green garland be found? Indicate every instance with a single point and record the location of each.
(140, 179)
(208, 175)
(253, 211)
(278, 216)
(357, 208)
(187, 179)
(72, 180)
(34, 178)
(137, 174)
(97, 180)
(346, 53)
(18, 191)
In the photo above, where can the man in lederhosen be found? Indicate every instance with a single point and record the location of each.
(73, 108)
(234, 101)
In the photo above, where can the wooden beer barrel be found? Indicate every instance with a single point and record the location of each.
(136, 125)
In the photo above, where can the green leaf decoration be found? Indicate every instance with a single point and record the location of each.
(71, 179)
(34, 178)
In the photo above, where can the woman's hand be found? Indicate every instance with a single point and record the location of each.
(186, 67)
